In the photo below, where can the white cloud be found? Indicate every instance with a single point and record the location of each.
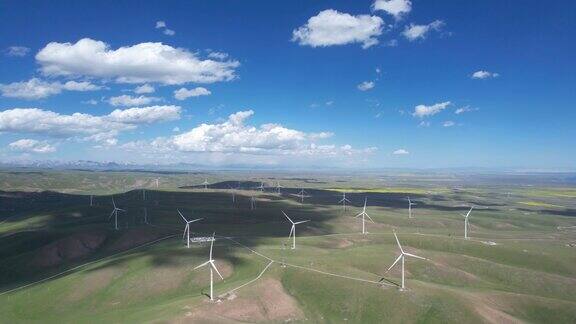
(143, 89)
(366, 85)
(218, 55)
(129, 101)
(90, 102)
(396, 8)
(234, 138)
(448, 123)
(425, 111)
(424, 123)
(331, 27)
(140, 63)
(169, 32)
(484, 75)
(38, 89)
(31, 146)
(176, 129)
(415, 32)
(183, 93)
(160, 24)
(464, 109)
(18, 51)
(83, 126)
(146, 115)
(401, 152)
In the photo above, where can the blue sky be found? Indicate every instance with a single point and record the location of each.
(292, 83)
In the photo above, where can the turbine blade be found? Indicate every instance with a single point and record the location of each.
(370, 218)
(300, 222)
(195, 220)
(218, 272)
(203, 264)
(287, 217)
(393, 264)
(185, 229)
(397, 241)
(212, 245)
(359, 214)
(415, 256)
(184, 218)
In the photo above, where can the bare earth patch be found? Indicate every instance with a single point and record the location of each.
(70, 248)
(93, 282)
(266, 301)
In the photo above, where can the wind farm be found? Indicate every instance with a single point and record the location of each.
(304, 255)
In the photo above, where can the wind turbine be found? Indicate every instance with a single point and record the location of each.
(364, 214)
(205, 183)
(252, 203)
(115, 213)
(91, 200)
(401, 258)
(293, 230)
(278, 187)
(157, 182)
(146, 215)
(187, 227)
(410, 203)
(233, 194)
(343, 201)
(466, 222)
(144, 194)
(212, 267)
(301, 195)
(261, 187)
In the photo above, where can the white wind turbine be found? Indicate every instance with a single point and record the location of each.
(410, 203)
(364, 214)
(343, 201)
(144, 194)
(205, 183)
(301, 194)
(233, 192)
(261, 186)
(401, 258)
(212, 267)
(187, 227)
(466, 222)
(115, 213)
(91, 200)
(157, 182)
(252, 203)
(293, 230)
(278, 187)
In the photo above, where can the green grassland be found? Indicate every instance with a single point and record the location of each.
(61, 261)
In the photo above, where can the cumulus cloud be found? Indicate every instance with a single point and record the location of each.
(146, 115)
(218, 55)
(484, 75)
(144, 89)
(234, 136)
(422, 111)
(140, 63)
(331, 27)
(365, 86)
(448, 123)
(18, 51)
(415, 32)
(83, 126)
(400, 152)
(31, 146)
(396, 8)
(183, 93)
(129, 101)
(37, 89)
(169, 32)
(160, 24)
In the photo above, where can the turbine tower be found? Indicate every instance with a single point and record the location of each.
(293, 230)
(466, 222)
(410, 203)
(261, 187)
(187, 228)
(252, 203)
(91, 200)
(205, 183)
(343, 201)
(146, 215)
(115, 213)
(364, 214)
(212, 266)
(401, 258)
(144, 194)
(233, 192)
(157, 182)
(278, 187)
